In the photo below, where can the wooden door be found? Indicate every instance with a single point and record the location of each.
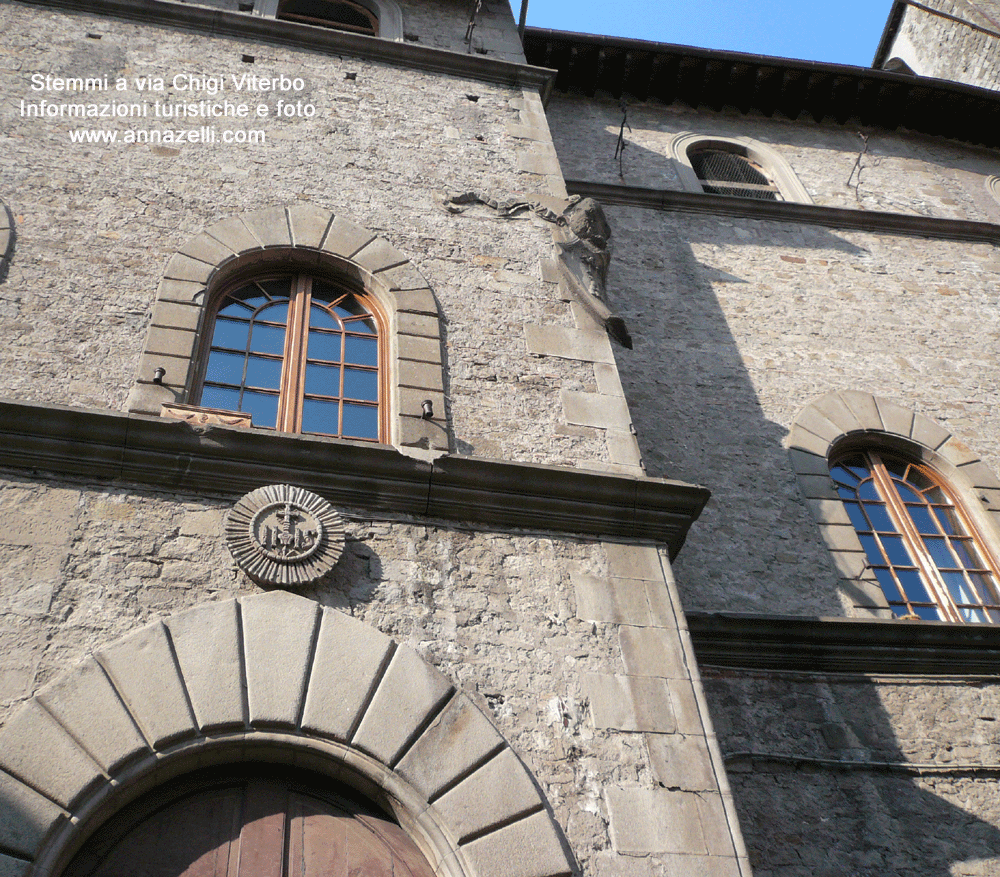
(253, 827)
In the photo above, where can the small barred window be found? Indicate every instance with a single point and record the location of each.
(728, 172)
(337, 14)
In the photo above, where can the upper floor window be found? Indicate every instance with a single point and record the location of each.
(917, 539)
(337, 14)
(729, 171)
(299, 354)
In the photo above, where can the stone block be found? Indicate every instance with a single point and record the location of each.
(534, 163)
(86, 703)
(336, 700)
(177, 315)
(700, 866)
(608, 380)
(680, 762)
(344, 238)
(864, 407)
(629, 703)
(496, 793)
(207, 644)
(841, 537)
(149, 398)
(419, 348)
(836, 411)
(819, 425)
(409, 323)
(234, 235)
(633, 561)
(25, 817)
(927, 433)
(278, 633)
(185, 268)
(269, 226)
(530, 847)
(187, 292)
(958, 453)
(801, 439)
(595, 409)
(686, 711)
(623, 448)
(456, 741)
(617, 601)
(652, 651)
(551, 272)
(715, 826)
(379, 255)
(207, 249)
(527, 132)
(817, 487)
(850, 564)
(421, 374)
(175, 371)
(895, 418)
(415, 432)
(806, 463)
(662, 612)
(308, 224)
(419, 300)
(170, 342)
(142, 668)
(829, 511)
(567, 343)
(404, 278)
(36, 749)
(645, 821)
(10, 867)
(406, 699)
(411, 400)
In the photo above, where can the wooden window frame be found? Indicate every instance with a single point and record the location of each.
(291, 390)
(930, 574)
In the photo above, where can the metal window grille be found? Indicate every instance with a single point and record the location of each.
(723, 172)
(336, 14)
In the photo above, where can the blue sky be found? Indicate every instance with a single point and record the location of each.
(838, 31)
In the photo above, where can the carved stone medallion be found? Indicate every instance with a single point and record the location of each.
(284, 535)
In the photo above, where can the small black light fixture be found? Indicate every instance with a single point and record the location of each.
(427, 409)
(158, 374)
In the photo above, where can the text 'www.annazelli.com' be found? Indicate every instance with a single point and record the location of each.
(168, 137)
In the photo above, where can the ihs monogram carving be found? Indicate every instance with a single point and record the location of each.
(284, 535)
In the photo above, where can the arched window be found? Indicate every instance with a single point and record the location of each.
(337, 14)
(299, 354)
(918, 541)
(728, 170)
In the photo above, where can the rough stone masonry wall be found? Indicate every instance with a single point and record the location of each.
(900, 173)
(95, 225)
(571, 646)
(738, 325)
(933, 43)
(913, 790)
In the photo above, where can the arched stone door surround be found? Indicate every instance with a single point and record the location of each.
(272, 678)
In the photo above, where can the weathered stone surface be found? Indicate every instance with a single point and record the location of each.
(645, 821)
(527, 848)
(26, 817)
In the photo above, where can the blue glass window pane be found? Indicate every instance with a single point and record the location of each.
(913, 586)
(927, 613)
(263, 372)
(843, 475)
(320, 318)
(939, 552)
(267, 339)
(220, 397)
(888, 584)
(237, 309)
(230, 333)
(263, 407)
(324, 345)
(846, 492)
(253, 301)
(966, 554)
(361, 351)
(225, 368)
(319, 416)
(280, 287)
(906, 493)
(921, 517)
(322, 380)
(360, 421)
(856, 515)
(880, 519)
(949, 521)
(866, 490)
(959, 588)
(871, 549)
(276, 313)
(896, 551)
(360, 384)
(365, 326)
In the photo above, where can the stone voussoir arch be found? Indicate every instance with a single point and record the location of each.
(850, 415)
(269, 678)
(304, 237)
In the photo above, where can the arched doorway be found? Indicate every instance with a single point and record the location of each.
(253, 821)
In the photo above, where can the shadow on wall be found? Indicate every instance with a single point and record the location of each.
(802, 812)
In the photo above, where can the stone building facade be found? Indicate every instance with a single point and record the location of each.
(544, 649)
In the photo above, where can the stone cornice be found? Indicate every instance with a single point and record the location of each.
(845, 645)
(173, 455)
(788, 211)
(222, 23)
